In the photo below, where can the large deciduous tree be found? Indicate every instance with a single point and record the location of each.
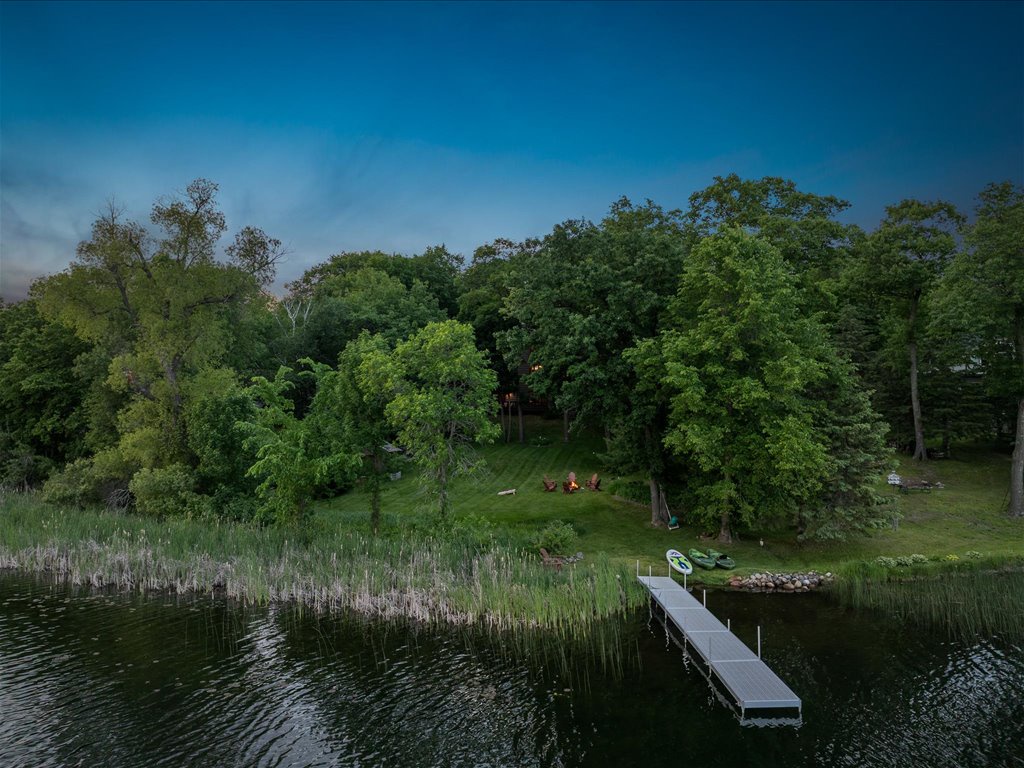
(443, 401)
(41, 397)
(161, 307)
(484, 289)
(982, 297)
(580, 301)
(802, 225)
(354, 397)
(749, 373)
(900, 264)
(295, 457)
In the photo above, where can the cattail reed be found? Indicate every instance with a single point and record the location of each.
(424, 579)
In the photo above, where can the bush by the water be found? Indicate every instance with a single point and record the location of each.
(89, 481)
(167, 492)
(557, 537)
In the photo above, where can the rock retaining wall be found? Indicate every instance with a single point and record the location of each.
(781, 582)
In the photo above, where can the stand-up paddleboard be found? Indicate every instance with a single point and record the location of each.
(678, 561)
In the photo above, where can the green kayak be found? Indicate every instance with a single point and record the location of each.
(704, 561)
(722, 561)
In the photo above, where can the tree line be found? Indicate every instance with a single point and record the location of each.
(753, 357)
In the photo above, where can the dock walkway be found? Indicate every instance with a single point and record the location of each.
(741, 672)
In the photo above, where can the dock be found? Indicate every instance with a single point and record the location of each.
(755, 690)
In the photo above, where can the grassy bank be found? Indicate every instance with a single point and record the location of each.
(482, 570)
(966, 515)
(450, 580)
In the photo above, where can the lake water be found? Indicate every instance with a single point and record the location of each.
(124, 680)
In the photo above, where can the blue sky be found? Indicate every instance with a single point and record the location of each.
(398, 126)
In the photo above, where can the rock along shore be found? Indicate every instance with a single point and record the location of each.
(781, 582)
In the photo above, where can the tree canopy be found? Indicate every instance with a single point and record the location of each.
(752, 357)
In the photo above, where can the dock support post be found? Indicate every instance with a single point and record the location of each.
(684, 581)
(728, 624)
(759, 641)
(638, 569)
(705, 597)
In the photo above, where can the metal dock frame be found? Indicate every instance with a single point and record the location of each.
(749, 681)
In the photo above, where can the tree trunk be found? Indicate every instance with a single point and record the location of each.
(565, 426)
(178, 450)
(920, 453)
(522, 431)
(1017, 464)
(724, 532)
(655, 500)
(442, 495)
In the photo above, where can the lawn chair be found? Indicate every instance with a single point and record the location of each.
(554, 561)
(550, 486)
(594, 483)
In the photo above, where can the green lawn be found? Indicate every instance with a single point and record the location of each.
(966, 515)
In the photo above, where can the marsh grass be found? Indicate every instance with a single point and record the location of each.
(454, 579)
(969, 598)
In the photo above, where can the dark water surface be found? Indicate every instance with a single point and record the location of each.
(124, 680)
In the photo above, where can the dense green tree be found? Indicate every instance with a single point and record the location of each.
(354, 398)
(295, 457)
(748, 372)
(41, 396)
(801, 225)
(484, 289)
(216, 405)
(162, 308)
(582, 299)
(367, 299)
(436, 268)
(441, 400)
(982, 300)
(900, 263)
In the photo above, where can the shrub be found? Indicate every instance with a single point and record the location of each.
(972, 554)
(557, 537)
(89, 481)
(20, 468)
(631, 489)
(225, 504)
(473, 529)
(918, 559)
(886, 562)
(69, 485)
(167, 492)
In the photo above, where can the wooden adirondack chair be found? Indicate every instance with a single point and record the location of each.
(553, 560)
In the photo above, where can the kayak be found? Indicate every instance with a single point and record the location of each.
(722, 561)
(678, 561)
(701, 559)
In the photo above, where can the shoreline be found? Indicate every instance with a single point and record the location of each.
(452, 581)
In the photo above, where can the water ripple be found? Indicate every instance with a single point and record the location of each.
(114, 680)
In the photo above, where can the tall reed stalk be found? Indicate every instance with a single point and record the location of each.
(969, 599)
(427, 579)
